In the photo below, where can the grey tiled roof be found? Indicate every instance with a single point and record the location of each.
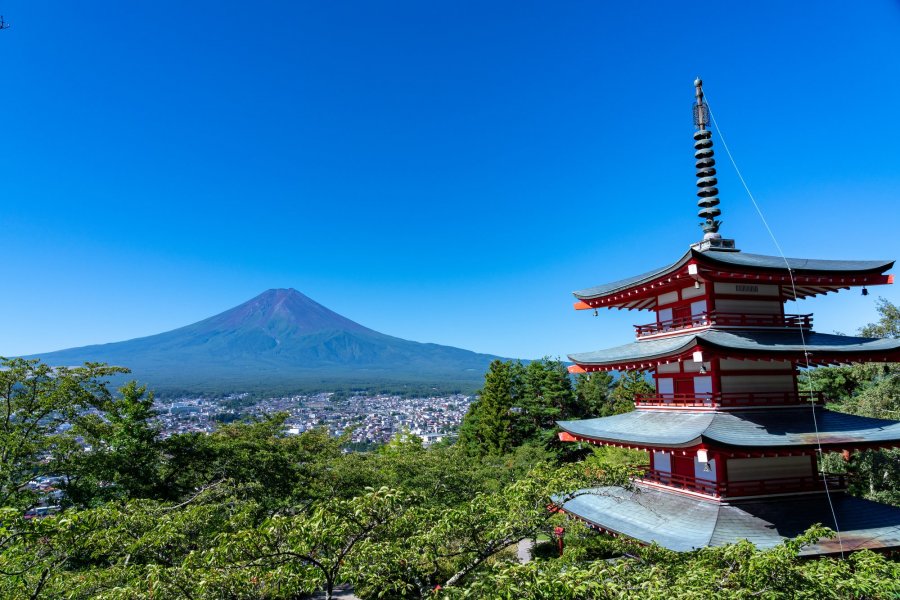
(615, 286)
(684, 523)
(665, 429)
(801, 265)
(770, 342)
(793, 427)
(745, 260)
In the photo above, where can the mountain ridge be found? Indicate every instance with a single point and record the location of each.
(278, 339)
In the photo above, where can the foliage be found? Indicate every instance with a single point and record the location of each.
(735, 571)
(546, 397)
(450, 546)
(281, 468)
(629, 385)
(520, 404)
(592, 391)
(888, 324)
(36, 403)
(249, 512)
(309, 551)
(488, 426)
(125, 450)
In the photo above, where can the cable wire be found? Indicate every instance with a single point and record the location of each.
(799, 324)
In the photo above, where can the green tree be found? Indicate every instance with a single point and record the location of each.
(126, 452)
(547, 396)
(310, 551)
(280, 468)
(487, 428)
(628, 385)
(36, 403)
(593, 394)
(450, 547)
(736, 571)
(888, 324)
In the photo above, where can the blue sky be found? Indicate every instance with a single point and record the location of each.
(440, 171)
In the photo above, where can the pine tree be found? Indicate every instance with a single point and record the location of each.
(488, 427)
(547, 397)
(629, 384)
(592, 393)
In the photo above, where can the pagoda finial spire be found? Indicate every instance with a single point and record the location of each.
(706, 171)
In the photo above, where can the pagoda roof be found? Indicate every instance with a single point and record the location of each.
(735, 261)
(683, 523)
(758, 429)
(786, 344)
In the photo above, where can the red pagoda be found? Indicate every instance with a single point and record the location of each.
(733, 442)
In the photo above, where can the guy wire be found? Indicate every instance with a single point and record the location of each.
(821, 454)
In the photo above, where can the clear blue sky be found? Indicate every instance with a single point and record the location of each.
(440, 171)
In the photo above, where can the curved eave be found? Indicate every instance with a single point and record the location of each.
(807, 277)
(819, 348)
(649, 352)
(642, 429)
(683, 523)
(623, 284)
(799, 266)
(798, 429)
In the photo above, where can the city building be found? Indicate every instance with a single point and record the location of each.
(734, 442)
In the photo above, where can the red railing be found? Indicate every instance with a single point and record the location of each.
(673, 325)
(729, 399)
(682, 482)
(784, 485)
(760, 487)
(725, 320)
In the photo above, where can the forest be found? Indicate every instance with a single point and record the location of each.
(250, 512)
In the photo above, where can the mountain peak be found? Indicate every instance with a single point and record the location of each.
(276, 341)
(283, 310)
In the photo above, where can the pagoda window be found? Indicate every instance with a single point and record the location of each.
(669, 298)
(664, 315)
(698, 308)
(665, 385)
(772, 467)
(749, 307)
(705, 470)
(662, 462)
(757, 383)
(747, 289)
(732, 364)
(684, 386)
(703, 386)
(693, 292)
(672, 367)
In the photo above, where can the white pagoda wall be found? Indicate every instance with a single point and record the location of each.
(749, 307)
(768, 382)
(757, 383)
(775, 467)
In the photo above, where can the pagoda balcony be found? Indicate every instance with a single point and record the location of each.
(729, 399)
(719, 319)
(739, 489)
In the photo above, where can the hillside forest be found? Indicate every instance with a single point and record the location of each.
(250, 512)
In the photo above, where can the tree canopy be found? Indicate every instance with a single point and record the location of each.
(251, 512)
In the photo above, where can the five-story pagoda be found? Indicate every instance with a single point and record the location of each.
(733, 442)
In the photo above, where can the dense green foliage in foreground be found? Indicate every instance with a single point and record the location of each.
(248, 512)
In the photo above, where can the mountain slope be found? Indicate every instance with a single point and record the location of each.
(279, 341)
